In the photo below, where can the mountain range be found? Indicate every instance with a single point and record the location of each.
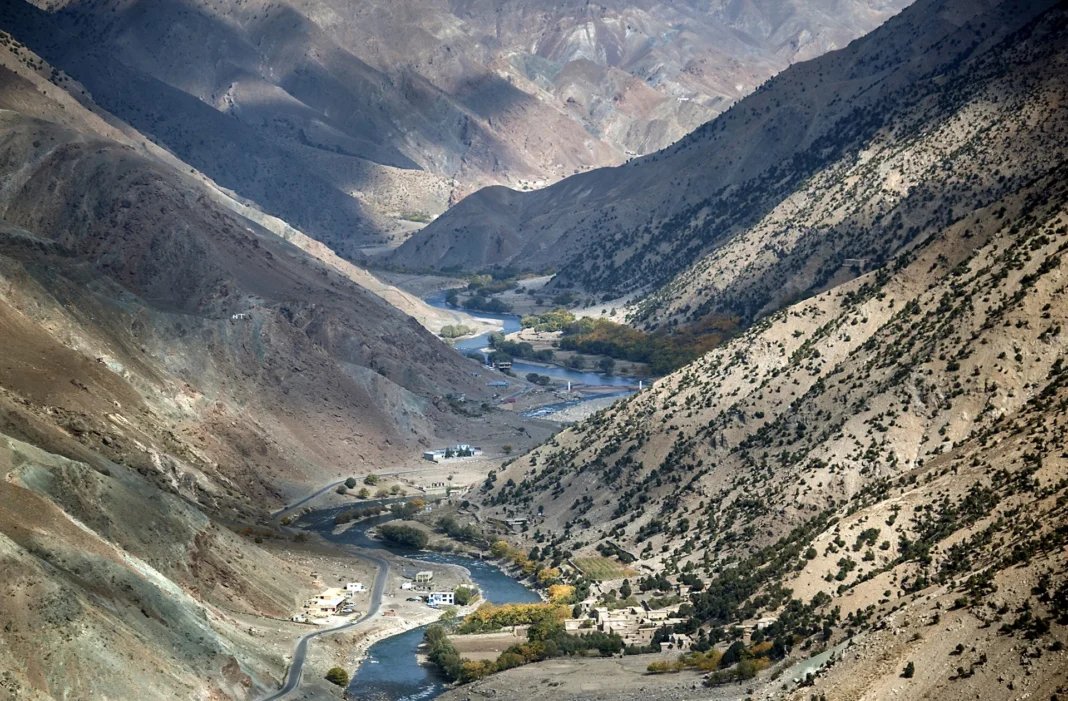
(190, 193)
(348, 119)
(828, 170)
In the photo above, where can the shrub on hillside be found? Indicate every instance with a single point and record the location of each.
(337, 676)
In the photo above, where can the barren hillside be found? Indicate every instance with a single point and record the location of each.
(344, 118)
(171, 370)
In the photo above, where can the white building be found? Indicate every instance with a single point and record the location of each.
(355, 587)
(441, 598)
(424, 577)
(453, 452)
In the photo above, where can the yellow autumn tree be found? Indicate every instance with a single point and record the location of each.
(561, 593)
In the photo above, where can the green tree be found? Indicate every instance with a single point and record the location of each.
(507, 448)
(350, 482)
(607, 365)
(408, 536)
(370, 480)
(341, 489)
(338, 676)
(910, 671)
(465, 595)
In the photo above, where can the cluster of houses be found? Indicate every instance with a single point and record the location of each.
(636, 625)
(453, 452)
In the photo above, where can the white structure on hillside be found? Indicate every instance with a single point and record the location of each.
(355, 587)
(424, 577)
(326, 604)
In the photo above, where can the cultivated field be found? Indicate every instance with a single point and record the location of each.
(602, 568)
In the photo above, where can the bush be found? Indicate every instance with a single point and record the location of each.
(338, 676)
(909, 671)
(370, 480)
(350, 482)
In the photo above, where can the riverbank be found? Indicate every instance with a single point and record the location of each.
(382, 654)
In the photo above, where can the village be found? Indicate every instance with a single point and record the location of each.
(335, 605)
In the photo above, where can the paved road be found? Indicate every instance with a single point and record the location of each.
(286, 509)
(300, 652)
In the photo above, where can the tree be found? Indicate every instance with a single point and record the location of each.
(562, 594)
(408, 536)
(395, 489)
(507, 448)
(910, 670)
(607, 365)
(341, 489)
(370, 480)
(465, 595)
(338, 676)
(625, 590)
(364, 493)
(350, 482)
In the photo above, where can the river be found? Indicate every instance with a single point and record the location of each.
(391, 671)
(512, 324)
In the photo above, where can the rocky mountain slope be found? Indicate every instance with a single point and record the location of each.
(883, 453)
(826, 171)
(332, 114)
(885, 461)
(100, 600)
(170, 370)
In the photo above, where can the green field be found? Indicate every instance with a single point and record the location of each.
(602, 568)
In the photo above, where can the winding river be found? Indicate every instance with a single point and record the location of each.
(391, 670)
(512, 324)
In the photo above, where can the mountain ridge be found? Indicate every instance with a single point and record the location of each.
(636, 228)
